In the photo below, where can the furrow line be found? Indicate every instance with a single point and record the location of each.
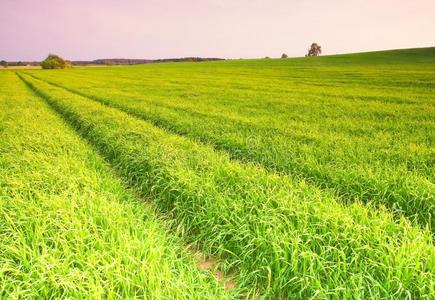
(69, 228)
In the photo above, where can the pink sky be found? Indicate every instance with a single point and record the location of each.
(90, 29)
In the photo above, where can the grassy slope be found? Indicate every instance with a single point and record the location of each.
(361, 124)
(284, 236)
(68, 228)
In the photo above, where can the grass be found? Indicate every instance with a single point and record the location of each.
(306, 178)
(283, 236)
(68, 227)
(361, 125)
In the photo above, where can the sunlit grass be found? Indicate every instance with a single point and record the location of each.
(361, 125)
(68, 228)
(282, 235)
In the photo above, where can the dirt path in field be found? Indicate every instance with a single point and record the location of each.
(20, 67)
(211, 265)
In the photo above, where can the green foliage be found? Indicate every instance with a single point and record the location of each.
(4, 64)
(68, 228)
(284, 236)
(315, 50)
(55, 62)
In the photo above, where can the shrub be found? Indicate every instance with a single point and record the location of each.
(55, 62)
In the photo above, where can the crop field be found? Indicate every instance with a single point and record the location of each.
(303, 178)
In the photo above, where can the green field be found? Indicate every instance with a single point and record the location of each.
(304, 178)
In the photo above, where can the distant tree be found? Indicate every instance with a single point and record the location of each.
(284, 55)
(20, 63)
(55, 62)
(267, 57)
(315, 50)
(4, 63)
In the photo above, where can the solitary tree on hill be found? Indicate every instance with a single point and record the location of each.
(315, 50)
(284, 55)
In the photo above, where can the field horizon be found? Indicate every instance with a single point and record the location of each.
(135, 61)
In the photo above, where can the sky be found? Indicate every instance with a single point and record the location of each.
(91, 29)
